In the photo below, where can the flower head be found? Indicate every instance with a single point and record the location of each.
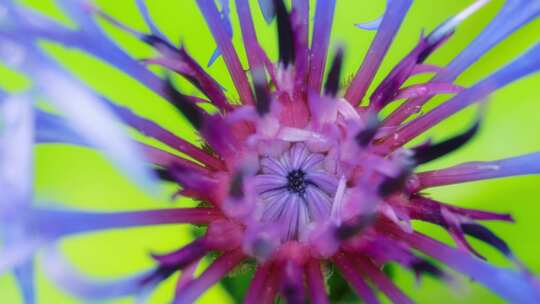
(299, 173)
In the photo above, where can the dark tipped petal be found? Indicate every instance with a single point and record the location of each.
(421, 266)
(285, 33)
(261, 92)
(158, 42)
(392, 185)
(182, 257)
(293, 286)
(483, 234)
(349, 229)
(236, 187)
(332, 82)
(186, 107)
(427, 153)
(164, 174)
(365, 136)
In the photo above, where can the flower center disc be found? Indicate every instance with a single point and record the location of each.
(295, 190)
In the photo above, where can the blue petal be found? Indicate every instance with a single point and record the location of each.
(370, 25)
(267, 9)
(143, 9)
(374, 24)
(16, 141)
(70, 280)
(513, 15)
(226, 22)
(51, 128)
(85, 113)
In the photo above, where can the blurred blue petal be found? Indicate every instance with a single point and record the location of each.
(267, 9)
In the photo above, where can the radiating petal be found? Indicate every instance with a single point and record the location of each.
(220, 267)
(393, 16)
(524, 65)
(467, 172)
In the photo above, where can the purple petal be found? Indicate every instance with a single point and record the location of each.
(353, 278)
(271, 166)
(219, 268)
(257, 284)
(524, 65)
(395, 12)
(315, 283)
(53, 223)
(380, 279)
(513, 15)
(226, 22)
(213, 19)
(514, 286)
(322, 28)
(521, 165)
(249, 36)
(319, 203)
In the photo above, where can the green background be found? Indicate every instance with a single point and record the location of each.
(82, 178)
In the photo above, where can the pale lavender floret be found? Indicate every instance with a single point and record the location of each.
(295, 205)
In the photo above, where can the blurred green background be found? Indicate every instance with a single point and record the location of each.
(82, 178)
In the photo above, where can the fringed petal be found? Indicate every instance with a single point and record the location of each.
(467, 172)
(226, 22)
(393, 16)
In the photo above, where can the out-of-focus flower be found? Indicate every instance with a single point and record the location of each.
(295, 176)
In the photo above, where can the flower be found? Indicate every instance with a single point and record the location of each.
(293, 177)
